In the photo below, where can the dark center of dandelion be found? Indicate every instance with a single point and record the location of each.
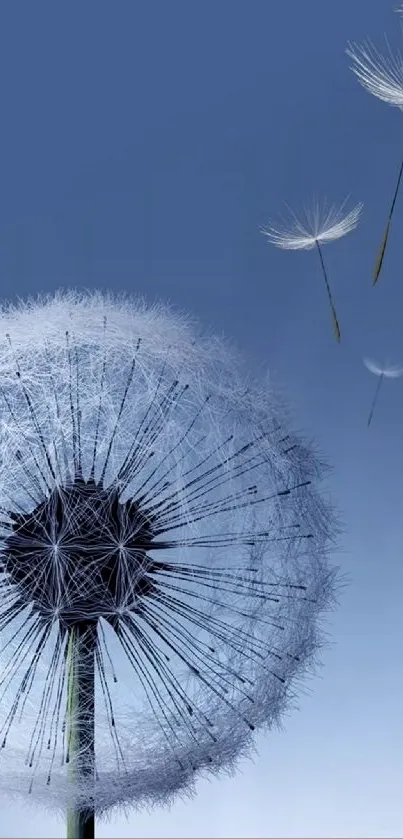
(81, 554)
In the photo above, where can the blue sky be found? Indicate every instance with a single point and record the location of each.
(143, 146)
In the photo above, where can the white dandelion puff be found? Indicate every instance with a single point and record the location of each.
(163, 555)
(383, 371)
(319, 225)
(382, 76)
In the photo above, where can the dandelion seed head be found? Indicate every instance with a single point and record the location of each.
(152, 494)
(321, 223)
(381, 75)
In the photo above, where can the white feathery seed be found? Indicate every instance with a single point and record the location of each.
(320, 224)
(383, 371)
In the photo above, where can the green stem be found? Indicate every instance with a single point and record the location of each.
(80, 665)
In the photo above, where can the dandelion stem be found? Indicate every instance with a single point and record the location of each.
(382, 249)
(80, 665)
(375, 399)
(336, 326)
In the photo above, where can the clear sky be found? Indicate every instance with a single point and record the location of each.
(143, 146)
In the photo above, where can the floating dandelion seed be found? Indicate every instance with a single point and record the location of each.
(163, 555)
(383, 77)
(320, 226)
(386, 371)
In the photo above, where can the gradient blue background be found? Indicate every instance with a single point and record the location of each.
(143, 145)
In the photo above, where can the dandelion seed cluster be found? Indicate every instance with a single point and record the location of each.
(153, 500)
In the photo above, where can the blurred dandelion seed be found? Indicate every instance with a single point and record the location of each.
(383, 77)
(385, 371)
(320, 225)
(163, 555)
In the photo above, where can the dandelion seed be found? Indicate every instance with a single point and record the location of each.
(383, 77)
(320, 225)
(163, 555)
(385, 371)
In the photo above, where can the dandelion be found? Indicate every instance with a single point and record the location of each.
(383, 371)
(163, 555)
(383, 77)
(321, 225)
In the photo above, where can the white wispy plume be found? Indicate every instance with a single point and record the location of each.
(381, 75)
(318, 225)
